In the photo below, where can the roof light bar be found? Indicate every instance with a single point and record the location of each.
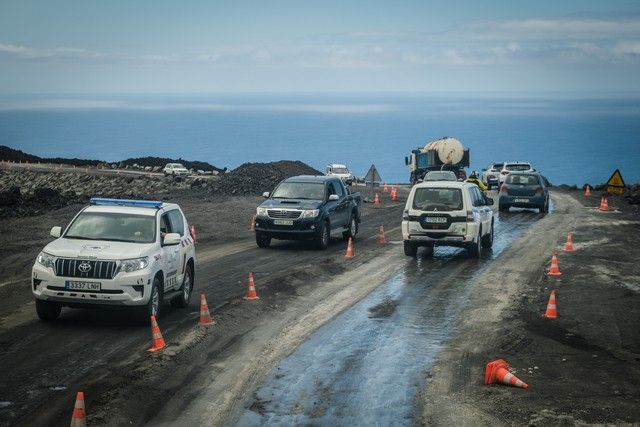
(124, 202)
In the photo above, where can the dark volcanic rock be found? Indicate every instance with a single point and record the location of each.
(256, 178)
(10, 197)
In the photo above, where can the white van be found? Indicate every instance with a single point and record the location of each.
(447, 213)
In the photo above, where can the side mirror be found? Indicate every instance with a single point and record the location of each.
(56, 232)
(266, 194)
(406, 161)
(488, 201)
(334, 197)
(171, 239)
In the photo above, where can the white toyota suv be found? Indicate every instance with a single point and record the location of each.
(447, 213)
(175, 169)
(117, 252)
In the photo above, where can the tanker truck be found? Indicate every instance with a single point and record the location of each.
(442, 154)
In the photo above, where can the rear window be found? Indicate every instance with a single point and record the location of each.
(523, 179)
(497, 165)
(521, 167)
(441, 199)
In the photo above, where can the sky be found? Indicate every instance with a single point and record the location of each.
(160, 46)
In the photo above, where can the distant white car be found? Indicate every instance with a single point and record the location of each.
(491, 174)
(514, 167)
(340, 171)
(175, 169)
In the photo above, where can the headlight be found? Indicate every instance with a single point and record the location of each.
(135, 264)
(46, 260)
(311, 213)
(261, 212)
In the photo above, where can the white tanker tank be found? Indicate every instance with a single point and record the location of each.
(446, 153)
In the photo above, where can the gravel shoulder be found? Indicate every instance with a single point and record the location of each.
(582, 368)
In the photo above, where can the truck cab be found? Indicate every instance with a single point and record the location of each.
(340, 171)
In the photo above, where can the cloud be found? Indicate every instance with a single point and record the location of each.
(38, 53)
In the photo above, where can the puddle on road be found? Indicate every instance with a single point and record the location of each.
(366, 366)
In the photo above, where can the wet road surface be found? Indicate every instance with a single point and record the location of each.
(365, 367)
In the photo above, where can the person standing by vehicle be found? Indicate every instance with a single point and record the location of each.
(473, 178)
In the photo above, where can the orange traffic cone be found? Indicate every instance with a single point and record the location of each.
(568, 247)
(349, 249)
(555, 269)
(251, 291)
(157, 342)
(376, 201)
(252, 226)
(385, 189)
(381, 239)
(587, 191)
(79, 417)
(604, 204)
(497, 371)
(551, 307)
(394, 194)
(192, 229)
(205, 316)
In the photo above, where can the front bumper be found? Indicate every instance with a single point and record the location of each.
(301, 229)
(126, 289)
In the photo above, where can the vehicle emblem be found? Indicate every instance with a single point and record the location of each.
(84, 267)
(435, 209)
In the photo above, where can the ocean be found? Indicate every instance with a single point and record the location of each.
(571, 140)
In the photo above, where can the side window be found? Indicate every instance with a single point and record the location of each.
(330, 189)
(339, 189)
(476, 197)
(165, 225)
(177, 223)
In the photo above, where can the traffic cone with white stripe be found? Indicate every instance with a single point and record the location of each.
(376, 201)
(192, 230)
(349, 249)
(555, 269)
(381, 238)
(251, 291)
(252, 226)
(587, 191)
(568, 247)
(79, 417)
(604, 204)
(205, 316)
(394, 194)
(157, 342)
(385, 188)
(551, 312)
(497, 371)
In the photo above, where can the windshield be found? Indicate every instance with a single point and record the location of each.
(524, 167)
(522, 179)
(441, 199)
(299, 190)
(339, 170)
(117, 227)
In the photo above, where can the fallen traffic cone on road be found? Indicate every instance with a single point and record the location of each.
(251, 291)
(385, 188)
(497, 371)
(587, 190)
(551, 307)
(604, 204)
(349, 249)
(205, 316)
(568, 247)
(555, 269)
(157, 342)
(376, 201)
(252, 226)
(79, 417)
(381, 239)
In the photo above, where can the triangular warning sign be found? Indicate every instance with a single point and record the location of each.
(615, 184)
(372, 176)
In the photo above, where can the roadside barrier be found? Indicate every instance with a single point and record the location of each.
(551, 312)
(252, 226)
(376, 201)
(205, 316)
(251, 291)
(385, 188)
(604, 204)
(497, 371)
(349, 249)
(587, 191)
(568, 247)
(555, 268)
(381, 238)
(79, 417)
(157, 342)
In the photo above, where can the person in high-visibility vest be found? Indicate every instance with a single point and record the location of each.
(473, 178)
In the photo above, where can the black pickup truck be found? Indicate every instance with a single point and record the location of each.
(308, 208)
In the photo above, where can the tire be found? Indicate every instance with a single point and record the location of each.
(263, 240)
(475, 249)
(48, 311)
(184, 298)
(410, 249)
(323, 236)
(427, 252)
(546, 207)
(503, 208)
(487, 241)
(153, 307)
(352, 231)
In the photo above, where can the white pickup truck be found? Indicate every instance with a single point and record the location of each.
(117, 252)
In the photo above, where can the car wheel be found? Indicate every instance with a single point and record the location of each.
(352, 231)
(263, 240)
(546, 207)
(410, 249)
(48, 311)
(475, 249)
(183, 299)
(155, 302)
(503, 208)
(427, 252)
(487, 241)
(324, 234)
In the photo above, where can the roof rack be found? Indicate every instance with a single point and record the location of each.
(125, 202)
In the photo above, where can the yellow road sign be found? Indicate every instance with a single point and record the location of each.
(615, 184)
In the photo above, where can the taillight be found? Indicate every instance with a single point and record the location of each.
(470, 217)
(539, 190)
(504, 189)
(504, 172)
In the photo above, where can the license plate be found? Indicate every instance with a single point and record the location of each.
(521, 200)
(82, 286)
(436, 219)
(283, 222)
